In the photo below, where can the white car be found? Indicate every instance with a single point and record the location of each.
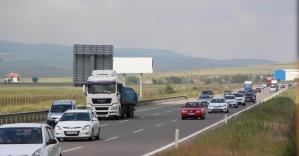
(28, 139)
(218, 104)
(273, 88)
(231, 100)
(78, 124)
(240, 98)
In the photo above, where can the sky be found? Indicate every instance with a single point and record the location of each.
(216, 29)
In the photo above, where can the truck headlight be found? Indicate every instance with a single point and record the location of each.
(114, 108)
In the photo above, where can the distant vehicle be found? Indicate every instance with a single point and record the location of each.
(264, 86)
(218, 104)
(274, 82)
(241, 92)
(269, 81)
(273, 88)
(28, 139)
(282, 86)
(193, 110)
(240, 98)
(210, 92)
(257, 90)
(231, 100)
(247, 85)
(78, 124)
(227, 92)
(58, 108)
(250, 96)
(290, 85)
(204, 99)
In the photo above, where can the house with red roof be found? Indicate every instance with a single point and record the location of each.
(13, 78)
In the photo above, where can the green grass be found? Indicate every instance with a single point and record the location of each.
(267, 129)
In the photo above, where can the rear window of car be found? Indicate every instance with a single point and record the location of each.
(229, 97)
(207, 92)
(238, 95)
(60, 108)
(204, 97)
(192, 105)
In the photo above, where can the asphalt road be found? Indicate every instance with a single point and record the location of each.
(152, 127)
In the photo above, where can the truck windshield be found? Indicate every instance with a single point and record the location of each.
(101, 88)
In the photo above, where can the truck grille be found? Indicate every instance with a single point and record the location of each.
(102, 108)
(102, 101)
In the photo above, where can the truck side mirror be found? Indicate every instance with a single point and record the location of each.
(84, 89)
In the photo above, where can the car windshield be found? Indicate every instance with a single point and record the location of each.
(207, 92)
(217, 101)
(101, 88)
(229, 97)
(20, 135)
(249, 94)
(75, 116)
(204, 97)
(241, 91)
(191, 105)
(60, 108)
(238, 95)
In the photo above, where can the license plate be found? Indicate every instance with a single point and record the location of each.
(71, 132)
(101, 115)
(191, 113)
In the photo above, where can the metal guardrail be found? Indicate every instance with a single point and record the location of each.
(42, 115)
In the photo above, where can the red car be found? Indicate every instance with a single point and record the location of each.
(258, 90)
(193, 110)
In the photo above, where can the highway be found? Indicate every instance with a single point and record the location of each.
(152, 127)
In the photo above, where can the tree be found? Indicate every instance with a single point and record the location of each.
(174, 80)
(34, 79)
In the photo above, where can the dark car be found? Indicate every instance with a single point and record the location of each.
(257, 90)
(227, 92)
(282, 86)
(210, 92)
(193, 110)
(250, 96)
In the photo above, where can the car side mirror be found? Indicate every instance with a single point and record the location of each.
(52, 141)
(94, 119)
(57, 120)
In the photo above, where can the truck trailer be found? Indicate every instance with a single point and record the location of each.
(108, 97)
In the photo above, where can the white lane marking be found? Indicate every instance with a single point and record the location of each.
(142, 117)
(103, 125)
(168, 111)
(124, 121)
(179, 109)
(71, 149)
(138, 130)
(173, 120)
(156, 114)
(158, 125)
(111, 138)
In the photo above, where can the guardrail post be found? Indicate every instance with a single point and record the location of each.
(176, 138)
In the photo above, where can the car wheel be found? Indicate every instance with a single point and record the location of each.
(58, 139)
(236, 106)
(227, 111)
(183, 118)
(254, 101)
(203, 117)
(244, 104)
(98, 136)
(91, 136)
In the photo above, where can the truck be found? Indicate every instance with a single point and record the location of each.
(105, 94)
(247, 85)
(269, 81)
(108, 97)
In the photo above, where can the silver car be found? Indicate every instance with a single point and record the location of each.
(28, 139)
(204, 99)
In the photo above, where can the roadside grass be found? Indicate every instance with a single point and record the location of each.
(267, 129)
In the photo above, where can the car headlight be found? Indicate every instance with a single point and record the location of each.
(223, 105)
(37, 152)
(198, 111)
(86, 127)
(57, 127)
(184, 111)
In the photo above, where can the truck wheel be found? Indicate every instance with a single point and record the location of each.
(122, 113)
